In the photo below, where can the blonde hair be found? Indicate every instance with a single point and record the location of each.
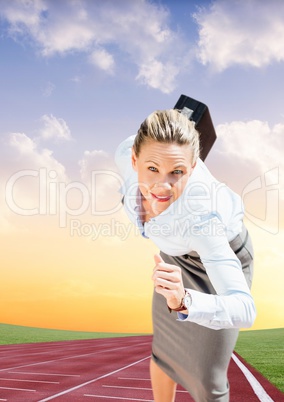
(168, 126)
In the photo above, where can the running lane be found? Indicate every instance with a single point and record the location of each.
(106, 370)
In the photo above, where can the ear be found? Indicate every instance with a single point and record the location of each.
(134, 160)
(192, 168)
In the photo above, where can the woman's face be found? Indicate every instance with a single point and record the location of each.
(163, 171)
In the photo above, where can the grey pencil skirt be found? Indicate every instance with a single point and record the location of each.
(194, 356)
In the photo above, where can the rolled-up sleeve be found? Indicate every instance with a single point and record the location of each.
(233, 305)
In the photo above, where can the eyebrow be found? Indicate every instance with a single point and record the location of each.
(179, 165)
(155, 163)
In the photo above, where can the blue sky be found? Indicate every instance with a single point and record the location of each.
(79, 76)
(96, 66)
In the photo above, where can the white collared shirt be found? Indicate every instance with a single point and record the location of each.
(205, 218)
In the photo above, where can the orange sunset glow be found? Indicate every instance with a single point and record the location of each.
(70, 259)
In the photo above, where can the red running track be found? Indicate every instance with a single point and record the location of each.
(103, 370)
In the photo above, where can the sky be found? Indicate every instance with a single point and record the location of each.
(77, 77)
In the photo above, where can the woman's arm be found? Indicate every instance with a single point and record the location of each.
(233, 305)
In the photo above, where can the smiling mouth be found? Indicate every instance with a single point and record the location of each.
(161, 198)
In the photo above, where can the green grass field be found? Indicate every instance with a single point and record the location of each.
(11, 334)
(262, 349)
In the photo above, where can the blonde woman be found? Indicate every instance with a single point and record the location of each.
(203, 274)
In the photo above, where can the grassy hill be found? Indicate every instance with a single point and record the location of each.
(262, 349)
(11, 334)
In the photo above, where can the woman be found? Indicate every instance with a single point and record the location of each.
(204, 269)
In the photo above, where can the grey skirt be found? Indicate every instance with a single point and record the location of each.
(194, 356)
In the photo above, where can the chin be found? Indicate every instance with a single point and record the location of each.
(158, 208)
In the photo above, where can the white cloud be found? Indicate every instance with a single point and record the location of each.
(22, 13)
(241, 32)
(54, 128)
(248, 156)
(26, 175)
(95, 160)
(22, 143)
(102, 59)
(158, 75)
(138, 29)
(19, 152)
(36, 191)
(99, 172)
(252, 142)
(55, 27)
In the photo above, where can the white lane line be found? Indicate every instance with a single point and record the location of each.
(256, 386)
(17, 379)
(65, 358)
(120, 386)
(93, 380)
(29, 373)
(145, 389)
(19, 389)
(117, 397)
(27, 354)
(134, 378)
(46, 351)
(3, 399)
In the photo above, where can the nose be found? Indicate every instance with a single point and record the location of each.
(165, 185)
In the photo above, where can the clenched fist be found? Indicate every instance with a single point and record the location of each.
(168, 282)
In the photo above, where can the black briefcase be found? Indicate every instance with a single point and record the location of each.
(199, 113)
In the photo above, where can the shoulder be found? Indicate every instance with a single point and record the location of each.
(202, 174)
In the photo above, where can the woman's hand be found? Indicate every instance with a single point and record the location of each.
(168, 282)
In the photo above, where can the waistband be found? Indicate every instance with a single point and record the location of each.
(243, 243)
(241, 237)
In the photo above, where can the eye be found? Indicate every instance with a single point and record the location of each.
(153, 169)
(177, 171)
